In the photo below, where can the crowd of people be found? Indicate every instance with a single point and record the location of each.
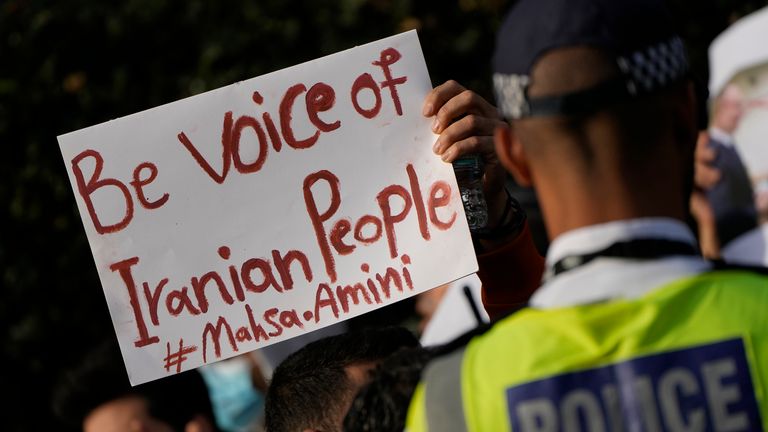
(634, 319)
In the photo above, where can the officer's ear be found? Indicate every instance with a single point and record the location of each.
(511, 154)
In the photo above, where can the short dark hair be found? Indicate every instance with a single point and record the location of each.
(311, 389)
(101, 378)
(382, 405)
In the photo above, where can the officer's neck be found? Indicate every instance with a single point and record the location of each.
(568, 204)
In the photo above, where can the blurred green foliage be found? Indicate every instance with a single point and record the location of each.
(65, 65)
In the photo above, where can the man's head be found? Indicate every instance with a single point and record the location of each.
(314, 387)
(728, 109)
(382, 405)
(602, 117)
(97, 396)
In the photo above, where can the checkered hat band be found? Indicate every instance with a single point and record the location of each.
(645, 70)
(654, 67)
(510, 94)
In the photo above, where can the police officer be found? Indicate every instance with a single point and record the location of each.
(631, 329)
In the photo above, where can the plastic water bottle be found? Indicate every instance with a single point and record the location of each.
(469, 175)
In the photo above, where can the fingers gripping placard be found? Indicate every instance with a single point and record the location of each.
(276, 206)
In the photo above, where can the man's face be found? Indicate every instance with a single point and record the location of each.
(730, 108)
(127, 414)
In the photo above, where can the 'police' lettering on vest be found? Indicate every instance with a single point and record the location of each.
(704, 388)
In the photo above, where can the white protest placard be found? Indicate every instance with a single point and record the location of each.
(269, 208)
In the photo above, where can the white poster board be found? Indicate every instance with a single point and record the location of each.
(269, 208)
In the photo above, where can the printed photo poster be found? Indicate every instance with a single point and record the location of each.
(751, 135)
(739, 92)
(256, 212)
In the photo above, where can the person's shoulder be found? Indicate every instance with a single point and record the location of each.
(461, 341)
(526, 326)
(739, 281)
(725, 286)
(746, 272)
(750, 248)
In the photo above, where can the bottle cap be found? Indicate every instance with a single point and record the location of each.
(469, 162)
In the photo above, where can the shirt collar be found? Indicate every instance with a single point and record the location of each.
(610, 278)
(593, 238)
(720, 135)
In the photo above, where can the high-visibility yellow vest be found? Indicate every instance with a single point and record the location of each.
(689, 356)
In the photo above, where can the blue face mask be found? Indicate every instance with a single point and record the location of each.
(236, 404)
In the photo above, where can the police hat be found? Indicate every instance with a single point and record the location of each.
(638, 33)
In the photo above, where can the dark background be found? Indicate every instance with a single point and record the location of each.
(65, 65)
